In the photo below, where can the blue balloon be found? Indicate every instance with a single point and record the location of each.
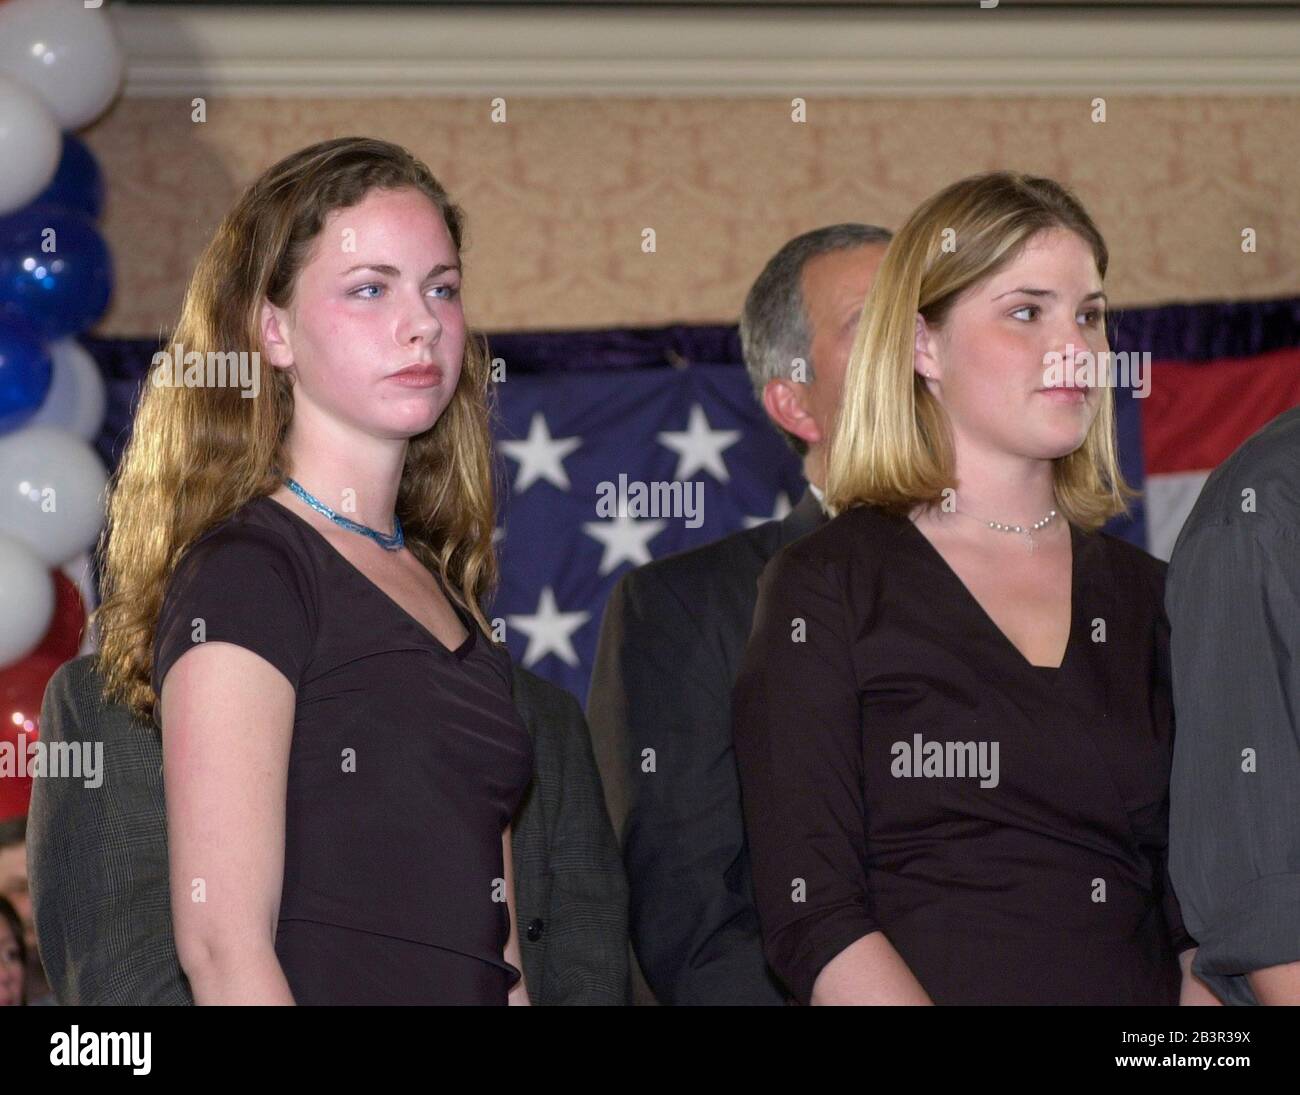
(25, 374)
(59, 291)
(78, 183)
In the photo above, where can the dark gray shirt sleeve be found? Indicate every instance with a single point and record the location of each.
(1233, 600)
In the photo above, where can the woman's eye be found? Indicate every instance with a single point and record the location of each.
(362, 291)
(1094, 316)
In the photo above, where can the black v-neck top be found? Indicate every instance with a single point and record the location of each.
(407, 762)
(905, 769)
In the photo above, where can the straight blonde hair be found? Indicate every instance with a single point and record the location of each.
(891, 446)
(196, 455)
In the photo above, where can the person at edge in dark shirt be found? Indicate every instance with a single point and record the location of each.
(1233, 599)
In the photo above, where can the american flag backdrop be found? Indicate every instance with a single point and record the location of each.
(564, 434)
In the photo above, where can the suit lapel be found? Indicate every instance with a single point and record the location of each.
(801, 520)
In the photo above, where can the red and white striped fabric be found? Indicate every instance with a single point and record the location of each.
(1196, 415)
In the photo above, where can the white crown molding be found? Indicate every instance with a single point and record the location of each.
(365, 52)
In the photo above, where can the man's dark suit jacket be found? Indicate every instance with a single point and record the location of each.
(97, 858)
(670, 648)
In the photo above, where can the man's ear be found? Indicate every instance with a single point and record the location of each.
(784, 402)
(274, 330)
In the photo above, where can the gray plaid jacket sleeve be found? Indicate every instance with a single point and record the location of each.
(570, 887)
(97, 855)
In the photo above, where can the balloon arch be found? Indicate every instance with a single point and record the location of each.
(60, 69)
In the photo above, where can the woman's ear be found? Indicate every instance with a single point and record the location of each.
(926, 357)
(272, 322)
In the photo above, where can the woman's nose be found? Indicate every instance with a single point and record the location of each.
(420, 321)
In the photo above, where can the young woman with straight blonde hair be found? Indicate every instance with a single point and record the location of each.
(953, 722)
(292, 590)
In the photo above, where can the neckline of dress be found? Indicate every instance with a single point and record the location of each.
(460, 653)
(991, 624)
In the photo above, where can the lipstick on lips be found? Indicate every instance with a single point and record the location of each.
(420, 374)
(1065, 393)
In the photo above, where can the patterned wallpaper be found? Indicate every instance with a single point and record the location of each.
(558, 195)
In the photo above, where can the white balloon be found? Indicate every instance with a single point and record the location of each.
(77, 399)
(51, 492)
(64, 51)
(30, 144)
(26, 600)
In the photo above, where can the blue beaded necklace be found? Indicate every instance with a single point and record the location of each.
(388, 543)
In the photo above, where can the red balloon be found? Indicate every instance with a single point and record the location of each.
(63, 639)
(22, 688)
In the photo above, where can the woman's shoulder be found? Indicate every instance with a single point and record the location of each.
(1127, 554)
(244, 550)
(252, 529)
(1124, 563)
(249, 585)
(857, 536)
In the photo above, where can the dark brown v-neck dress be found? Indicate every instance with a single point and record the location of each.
(407, 762)
(872, 681)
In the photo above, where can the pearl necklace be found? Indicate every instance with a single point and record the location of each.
(1023, 530)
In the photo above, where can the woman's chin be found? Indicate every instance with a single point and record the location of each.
(1064, 433)
(1053, 444)
(408, 425)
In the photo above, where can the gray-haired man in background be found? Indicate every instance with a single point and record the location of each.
(673, 634)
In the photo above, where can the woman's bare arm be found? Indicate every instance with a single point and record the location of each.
(868, 971)
(227, 718)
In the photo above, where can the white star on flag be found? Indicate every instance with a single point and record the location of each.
(625, 538)
(540, 456)
(549, 630)
(779, 511)
(699, 447)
